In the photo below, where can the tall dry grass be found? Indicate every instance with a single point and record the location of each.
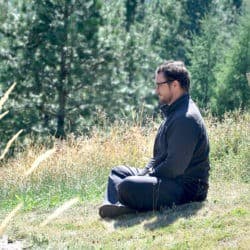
(3, 99)
(80, 166)
(9, 217)
(6, 95)
(85, 155)
(230, 146)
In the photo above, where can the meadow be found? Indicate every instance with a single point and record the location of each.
(78, 168)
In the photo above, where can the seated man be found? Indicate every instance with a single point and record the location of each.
(179, 169)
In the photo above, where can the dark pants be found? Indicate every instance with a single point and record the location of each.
(142, 193)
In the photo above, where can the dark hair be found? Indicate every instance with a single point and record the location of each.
(175, 70)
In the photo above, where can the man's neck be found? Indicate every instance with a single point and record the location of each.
(177, 96)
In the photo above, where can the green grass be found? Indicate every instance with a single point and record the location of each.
(81, 169)
(222, 222)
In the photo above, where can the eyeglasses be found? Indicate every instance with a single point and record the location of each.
(157, 84)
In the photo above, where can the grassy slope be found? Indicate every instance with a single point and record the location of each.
(81, 168)
(222, 222)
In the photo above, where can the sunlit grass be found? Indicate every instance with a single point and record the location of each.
(79, 167)
(9, 217)
(9, 143)
(59, 211)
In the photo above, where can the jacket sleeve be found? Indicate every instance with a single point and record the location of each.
(152, 162)
(183, 135)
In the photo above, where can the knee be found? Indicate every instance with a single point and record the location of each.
(117, 169)
(121, 171)
(127, 183)
(126, 187)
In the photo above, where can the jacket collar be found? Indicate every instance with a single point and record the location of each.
(167, 109)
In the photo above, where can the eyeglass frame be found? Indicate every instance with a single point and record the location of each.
(158, 84)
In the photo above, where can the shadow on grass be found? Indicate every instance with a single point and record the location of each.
(164, 217)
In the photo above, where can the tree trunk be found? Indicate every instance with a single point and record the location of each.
(61, 87)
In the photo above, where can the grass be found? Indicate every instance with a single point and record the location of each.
(80, 168)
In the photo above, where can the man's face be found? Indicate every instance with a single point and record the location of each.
(164, 90)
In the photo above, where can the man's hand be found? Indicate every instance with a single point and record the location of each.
(145, 171)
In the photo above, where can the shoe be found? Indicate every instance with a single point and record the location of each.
(112, 210)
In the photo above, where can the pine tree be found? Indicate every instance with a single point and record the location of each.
(60, 63)
(192, 14)
(233, 91)
(204, 54)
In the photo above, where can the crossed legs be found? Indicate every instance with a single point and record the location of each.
(142, 193)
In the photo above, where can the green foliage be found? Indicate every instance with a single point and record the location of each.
(218, 38)
(233, 89)
(194, 12)
(204, 55)
(77, 61)
(130, 12)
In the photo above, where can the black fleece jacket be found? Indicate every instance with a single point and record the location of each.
(181, 148)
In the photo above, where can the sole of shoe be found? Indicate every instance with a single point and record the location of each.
(113, 211)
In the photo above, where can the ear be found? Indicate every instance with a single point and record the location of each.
(175, 83)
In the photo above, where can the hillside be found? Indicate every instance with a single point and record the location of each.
(79, 168)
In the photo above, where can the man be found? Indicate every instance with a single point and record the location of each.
(179, 169)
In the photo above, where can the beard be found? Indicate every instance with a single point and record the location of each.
(165, 100)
